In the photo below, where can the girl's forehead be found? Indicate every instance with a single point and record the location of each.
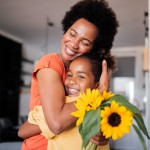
(82, 62)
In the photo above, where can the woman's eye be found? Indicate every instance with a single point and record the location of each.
(86, 43)
(72, 34)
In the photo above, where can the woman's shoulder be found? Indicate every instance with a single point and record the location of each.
(49, 56)
(50, 61)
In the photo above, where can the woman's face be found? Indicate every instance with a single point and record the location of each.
(79, 39)
(79, 77)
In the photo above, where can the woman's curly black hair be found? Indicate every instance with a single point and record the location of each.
(101, 15)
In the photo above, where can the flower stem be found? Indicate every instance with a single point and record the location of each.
(88, 146)
(91, 146)
(94, 146)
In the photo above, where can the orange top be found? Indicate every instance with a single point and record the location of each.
(39, 142)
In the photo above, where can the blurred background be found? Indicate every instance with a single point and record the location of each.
(30, 29)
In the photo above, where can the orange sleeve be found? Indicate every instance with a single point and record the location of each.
(49, 61)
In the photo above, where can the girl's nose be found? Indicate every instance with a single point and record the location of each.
(72, 81)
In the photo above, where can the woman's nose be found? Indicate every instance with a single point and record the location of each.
(75, 43)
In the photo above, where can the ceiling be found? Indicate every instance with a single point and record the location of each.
(27, 19)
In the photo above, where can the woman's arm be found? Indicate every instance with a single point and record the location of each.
(27, 130)
(57, 113)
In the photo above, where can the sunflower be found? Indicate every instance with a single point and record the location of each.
(87, 101)
(90, 100)
(116, 121)
(106, 95)
(80, 113)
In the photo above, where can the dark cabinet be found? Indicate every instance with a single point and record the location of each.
(10, 66)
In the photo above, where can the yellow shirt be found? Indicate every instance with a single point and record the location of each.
(68, 140)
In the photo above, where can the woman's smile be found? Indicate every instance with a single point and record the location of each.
(69, 51)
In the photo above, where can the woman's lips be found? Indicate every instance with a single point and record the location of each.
(70, 52)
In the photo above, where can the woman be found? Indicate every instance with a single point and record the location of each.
(89, 27)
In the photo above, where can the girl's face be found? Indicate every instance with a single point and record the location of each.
(79, 77)
(79, 39)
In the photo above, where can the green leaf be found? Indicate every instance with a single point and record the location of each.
(124, 102)
(140, 122)
(140, 136)
(90, 126)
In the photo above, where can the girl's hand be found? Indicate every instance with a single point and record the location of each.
(104, 83)
(99, 140)
(27, 130)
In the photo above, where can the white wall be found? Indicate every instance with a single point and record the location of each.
(136, 52)
(131, 141)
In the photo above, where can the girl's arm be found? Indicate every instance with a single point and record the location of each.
(27, 130)
(104, 82)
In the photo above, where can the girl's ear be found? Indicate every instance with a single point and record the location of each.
(97, 85)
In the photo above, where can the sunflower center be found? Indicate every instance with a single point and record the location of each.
(114, 119)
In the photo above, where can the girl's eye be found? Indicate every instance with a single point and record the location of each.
(69, 75)
(81, 77)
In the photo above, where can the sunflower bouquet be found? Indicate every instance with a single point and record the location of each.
(108, 113)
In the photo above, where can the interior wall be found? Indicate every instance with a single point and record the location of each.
(139, 93)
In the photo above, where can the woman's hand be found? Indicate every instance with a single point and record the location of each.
(99, 140)
(104, 83)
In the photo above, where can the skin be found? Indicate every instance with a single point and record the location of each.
(79, 77)
(78, 40)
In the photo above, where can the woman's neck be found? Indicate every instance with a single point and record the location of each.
(66, 63)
